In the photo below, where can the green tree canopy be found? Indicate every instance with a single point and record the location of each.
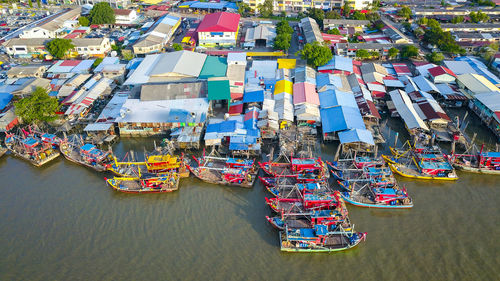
(409, 51)
(30, 3)
(357, 15)
(422, 21)
(102, 13)
(458, 19)
(362, 54)
(372, 16)
(83, 21)
(435, 57)
(334, 31)
(177, 47)
(393, 52)
(478, 17)
(38, 107)
(405, 12)
(283, 27)
(266, 9)
(97, 62)
(282, 41)
(346, 9)
(316, 54)
(333, 15)
(59, 47)
(244, 9)
(318, 15)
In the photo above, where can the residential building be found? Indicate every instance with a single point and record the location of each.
(115, 72)
(125, 16)
(344, 23)
(359, 4)
(219, 29)
(311, 30)
(89, 47)
(487, 107)
(349, 49)
(21, 71)
(474, 84)
(51, 26)
(260, 36)
(158, 35)
(462, 11)
(441, 74)
(295, 6)
(92, 47)
(474, 27)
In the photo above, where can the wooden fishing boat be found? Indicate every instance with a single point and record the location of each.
(482, 162)
(31, 148)
(86, 154)
(157, 184)
(309, 219)
(410, 169)
(387, 197)
(152, 164)
(224, 170)
(307, 169)
(319, 239)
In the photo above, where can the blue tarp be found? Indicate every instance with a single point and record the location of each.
(238, 146)
(227, 126)
(5, 98)
(254, 96)
(213, 128)
(269, 84)
(331, 98)
(341, 118)
(356, 135)
(87, 147)
(328, 66)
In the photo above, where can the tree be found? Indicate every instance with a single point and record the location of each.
(97, 62)
(30, 3)
(318, 15)
(478, 17)
(347, 9)
(374, 54)
(333, 15)
(334, 31)
(266, 9)
(357, 15)
(38, 107)
(422, 21)
(102, 13)
(362, 54)
(379, 25)
(243, 9)
(283, 27)
(432, 23)
(316, 54)
(372, 16)
(419, 32)
(409, 51)
(458, 19)
(39, 4)
(177, 47)
(127, 54)
(435, 57)
(393, 52)
(83, 21)
(405, 12)
(282, 41)
(59, 47)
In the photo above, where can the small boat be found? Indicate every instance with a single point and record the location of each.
(482, 162)
(409, 169)
(319, 239)
(224, 170)
(306, 169)
(152, 164)
(367, 195)
(87, 154)
(309, 219)
(157, 184)
(31, 148)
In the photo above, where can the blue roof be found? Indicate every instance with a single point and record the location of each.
(227, 126)
(213, 128)
(5, 98)
(321, 229)
(491, 154)
(356, 135)
(238, 146)
(480, 68)
(322, 79)
(341, 118)
(210, 5)
(307, 232)
(331, 98)
(343, 63)
(87, 147)
(30, 141)
(328, 66)
(253, 96)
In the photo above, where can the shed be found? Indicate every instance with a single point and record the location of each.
(214, 67)
(218, 90)
(340, 118)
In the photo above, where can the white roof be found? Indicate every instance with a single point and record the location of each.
(424, 84)
(141, 74)
(459, 67)
(264, 69)
(406, 110)
(490, 100)
(236, 57)
(424, 69)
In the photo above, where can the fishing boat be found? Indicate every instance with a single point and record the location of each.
(319, 239)
(86, 154)
(387, 197)
(224, 170)
(152, 164)
(31, 148)
(482, 162)
(157, 184)
(306, 169)
(309, 219)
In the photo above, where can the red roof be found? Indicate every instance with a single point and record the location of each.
(236, 109)
(401, 69)
(220, 22)
(440, 70)
(122, 12)
(72, 35)
(70, 63)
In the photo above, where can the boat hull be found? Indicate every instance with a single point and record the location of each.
(284, 248)
(378, 206)
(476, 170)
(151, 190)
(246, 184)
(97, 168)
(49, 158)
(395, 169)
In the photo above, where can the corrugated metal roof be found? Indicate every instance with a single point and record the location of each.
(219, 22)
(406, 110)
(356, 135)
(490, 100)
(332, 98)
(305, 92)
(477, 83)
(424, 84)
(184, 63)
(219, 90)
(213, 67)
(340, 118)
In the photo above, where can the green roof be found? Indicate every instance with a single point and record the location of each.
(219, 90)
(213, 67)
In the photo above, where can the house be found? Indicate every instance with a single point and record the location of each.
(29, 85)
(236, 66)
(168, 67)
(173, 91)
(146, 118)
(349, 49)
(472, 27)
(82, 104)
(487, 107)
(157, 36)
(311, 30)
(344, 23)
(21, 71)
(214, 67)
(27, 47)
(125, 16)
(118, 4)
(260, 36)
(373, 72)
(92, 47)
(441, 74)
(115, 72)
(219, 29)
(473, 84)
(52, 26)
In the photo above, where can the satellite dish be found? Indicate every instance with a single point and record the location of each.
(114, 53)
